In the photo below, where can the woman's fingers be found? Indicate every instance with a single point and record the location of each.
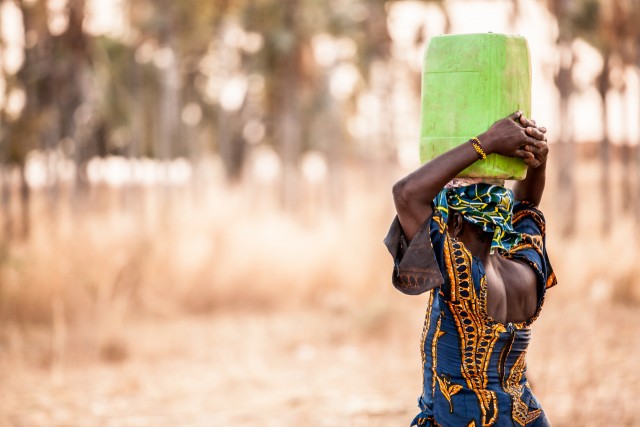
(523, 154)
(530, 123)
(539, 143)
(529, 158)
(540, 147)
(513, 133)
(533, 163)
(527, 122)
(539, 155)
(535, 132)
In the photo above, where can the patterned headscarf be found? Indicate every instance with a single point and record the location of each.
(485, 205)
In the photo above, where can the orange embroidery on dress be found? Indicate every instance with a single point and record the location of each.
(441, 225)
(448, 389)
(533, 415)
(535, 216)
(528, 241)
(434, 354)
(551, 281)
(520, 410)
(477, 338)
(425, 331)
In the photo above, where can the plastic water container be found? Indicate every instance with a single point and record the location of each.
(469, 81)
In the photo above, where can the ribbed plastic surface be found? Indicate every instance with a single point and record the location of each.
(469, 81)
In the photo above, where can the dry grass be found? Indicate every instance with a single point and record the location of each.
(178, 310)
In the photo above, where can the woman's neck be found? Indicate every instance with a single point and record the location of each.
(477, 247)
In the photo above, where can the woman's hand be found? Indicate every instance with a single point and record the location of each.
(517, 136)
(538, 153)
(531, 188)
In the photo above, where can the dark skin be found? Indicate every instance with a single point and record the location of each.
(511, 284)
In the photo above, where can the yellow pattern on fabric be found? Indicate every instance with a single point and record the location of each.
(533, 241)
(434, 354)
(533, 215)
(503, 361)
(551, 280)
(448, 389)
(477, 339)
(529, 241)
(520, 410)
(533, 415)
(425, 331)
(438, 220)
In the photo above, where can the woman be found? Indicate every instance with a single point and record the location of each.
(481, 255)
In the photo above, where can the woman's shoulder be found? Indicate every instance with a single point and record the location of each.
(528, 218)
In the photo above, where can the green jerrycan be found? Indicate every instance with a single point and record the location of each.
(469, 81)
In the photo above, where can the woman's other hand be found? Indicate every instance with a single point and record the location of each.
(517, 136)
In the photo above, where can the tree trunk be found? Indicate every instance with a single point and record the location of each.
(288, 121)
(74, 86)
(566, 194)
(514, 15)
(169, 102)
(38, 124)
(25, 205)
(447, 17)
(231, 143)
(290, 135)
(637, 168)
(627, 170)
(7, 217)
(605, 148)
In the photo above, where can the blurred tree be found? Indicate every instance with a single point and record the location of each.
(75, 91)
(514, 16)
(179, 35)
(197, 75)
(56, 80)
(298, 87)
(281, 63)
(633, 19)
(625, 19)
(566, 194)
(25, 131)
(602, 24)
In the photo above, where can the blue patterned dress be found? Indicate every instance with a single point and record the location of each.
(474, 367)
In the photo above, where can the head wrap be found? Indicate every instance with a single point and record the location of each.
(485, 205)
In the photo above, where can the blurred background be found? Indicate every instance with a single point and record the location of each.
(194, 197)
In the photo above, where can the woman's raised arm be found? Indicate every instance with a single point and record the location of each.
(513, 136)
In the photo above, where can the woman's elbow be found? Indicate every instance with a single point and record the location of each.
(399, 191)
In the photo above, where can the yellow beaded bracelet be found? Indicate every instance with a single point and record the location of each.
(477, 145)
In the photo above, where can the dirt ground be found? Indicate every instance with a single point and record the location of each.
(187, 326)
(319, 368)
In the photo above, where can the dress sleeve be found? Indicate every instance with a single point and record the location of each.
(417, 264)
(530, 221)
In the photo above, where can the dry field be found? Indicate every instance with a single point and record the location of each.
(219, 311)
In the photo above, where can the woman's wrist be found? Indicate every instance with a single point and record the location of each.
(477, 146)
(488, 143)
